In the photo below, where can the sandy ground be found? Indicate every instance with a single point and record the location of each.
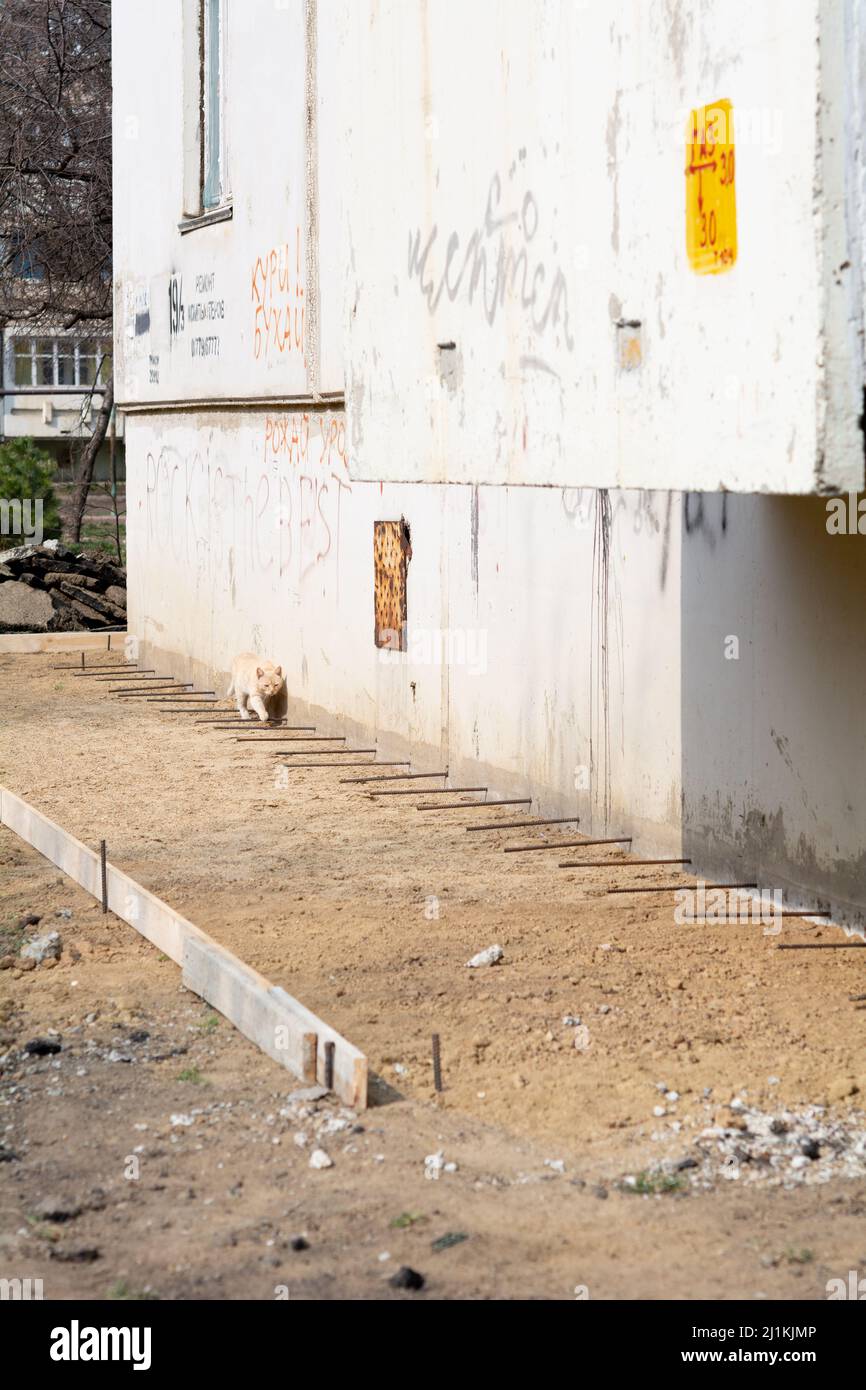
(368, 911)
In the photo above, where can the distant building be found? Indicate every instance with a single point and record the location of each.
(490, 366)
(51, 389)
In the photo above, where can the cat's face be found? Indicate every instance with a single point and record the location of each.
(269, 681)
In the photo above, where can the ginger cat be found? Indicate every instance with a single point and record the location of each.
(258, 685)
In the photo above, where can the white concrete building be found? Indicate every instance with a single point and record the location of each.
(570, 293)
(51, 387)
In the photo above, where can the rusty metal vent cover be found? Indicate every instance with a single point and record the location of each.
(392, 551)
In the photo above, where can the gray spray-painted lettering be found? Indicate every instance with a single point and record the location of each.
(496, 261)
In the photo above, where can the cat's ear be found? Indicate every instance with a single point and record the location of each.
(279, 670)
(259, 672)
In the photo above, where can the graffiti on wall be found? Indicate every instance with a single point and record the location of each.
(277, 294)
(498, 260)
(277, 518)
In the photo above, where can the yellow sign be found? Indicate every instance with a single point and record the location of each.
(711, 199)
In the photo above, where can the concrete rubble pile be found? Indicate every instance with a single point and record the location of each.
(50, 588)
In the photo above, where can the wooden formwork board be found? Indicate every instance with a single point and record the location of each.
(280, 1025)
(30, 642)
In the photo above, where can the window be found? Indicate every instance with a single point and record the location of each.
(94, 363)
(212, 163)
(22, 363)
(48, 363)
(45, 349)
(206, 189)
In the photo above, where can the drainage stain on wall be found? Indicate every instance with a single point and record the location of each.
(392, 551)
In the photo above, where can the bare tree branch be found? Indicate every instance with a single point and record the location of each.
(55, 180)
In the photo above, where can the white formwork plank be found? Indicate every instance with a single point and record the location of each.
(32, 642)
(278, 1024)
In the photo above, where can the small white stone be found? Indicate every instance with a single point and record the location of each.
(433, 1165)
(491, 956)
(319, 1159)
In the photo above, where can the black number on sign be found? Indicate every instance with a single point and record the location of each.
(175, 306)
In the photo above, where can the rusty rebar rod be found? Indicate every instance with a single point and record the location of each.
(437, 1062)
(103, 866)
(329, 1066)
(178, 709)
(817, 945)
(136, 693)
(525, 824)
(276, 728)
(677, 887)
(398, 777)
(567, 844)
(281, 734)
(471, 805)
(429, 791)
(325, 752)
(299, 767)
(146, 672)
(772, 912)
(616, 863)
(108, 666)
(255, 730)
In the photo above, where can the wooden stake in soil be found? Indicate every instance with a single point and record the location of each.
(309, 1052)
(104, 871)
(437, 1063)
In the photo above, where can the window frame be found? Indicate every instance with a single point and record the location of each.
(208, 186)
(14, 344)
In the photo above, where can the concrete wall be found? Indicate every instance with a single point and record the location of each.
(230, 309)
(532, 661)
(587, 629)
(592, 662)
(516, 205)
(774, 742)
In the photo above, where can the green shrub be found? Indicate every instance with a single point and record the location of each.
(26, 474)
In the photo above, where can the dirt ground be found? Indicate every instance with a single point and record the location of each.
(368, 912)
